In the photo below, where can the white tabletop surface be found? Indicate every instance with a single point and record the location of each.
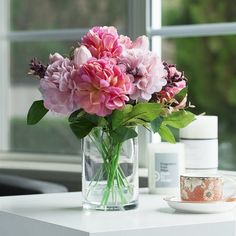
(62, 214)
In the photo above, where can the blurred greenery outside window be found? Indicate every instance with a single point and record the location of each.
(208, 63)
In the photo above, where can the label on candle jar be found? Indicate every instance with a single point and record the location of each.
(166, 170)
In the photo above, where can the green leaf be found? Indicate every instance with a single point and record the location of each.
(116, 118)
(145, 112)
(75, 115)
(92, 118)
(102, 122)
(127, 108)
(181, 95)
(156, 124)
(82, 123)
(36, 112)
(82, 127)
(123, 133)
(179, 119)
(166, 134)
(138, 121)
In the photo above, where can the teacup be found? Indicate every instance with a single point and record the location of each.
(203, 188)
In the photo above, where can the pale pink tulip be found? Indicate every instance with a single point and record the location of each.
(81, 55)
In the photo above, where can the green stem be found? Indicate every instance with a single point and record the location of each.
(116, 180)
(119, 185)
(123, 177)
(111, 174)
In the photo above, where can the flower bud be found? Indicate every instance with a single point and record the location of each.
(81, 55)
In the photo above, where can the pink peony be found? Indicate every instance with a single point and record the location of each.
(102, 42)
(58, 86)
(144, 68)
(125, 42)
(141, 42)
(102, 87)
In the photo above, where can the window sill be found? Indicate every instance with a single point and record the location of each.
(44, 157)
(40, 166)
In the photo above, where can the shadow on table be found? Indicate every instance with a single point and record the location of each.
(168, 210)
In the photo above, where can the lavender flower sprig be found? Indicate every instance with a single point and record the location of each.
(37, 68)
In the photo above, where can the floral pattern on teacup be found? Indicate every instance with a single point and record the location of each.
(201, 188)
(191, 185)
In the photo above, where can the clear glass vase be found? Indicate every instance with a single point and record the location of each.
(110, 172)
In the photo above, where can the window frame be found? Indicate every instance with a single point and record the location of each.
(4, 75)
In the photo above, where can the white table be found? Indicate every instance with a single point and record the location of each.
(62, 215)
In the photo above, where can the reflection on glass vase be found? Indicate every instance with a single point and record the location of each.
(110, 172)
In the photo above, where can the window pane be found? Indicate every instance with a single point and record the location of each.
(208, 64)
(52, 134)
(57, 14)
(182, 12)
(23, 52)
(49, 136)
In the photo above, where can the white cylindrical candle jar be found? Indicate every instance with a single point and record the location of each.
(201, 143)
(166, 164)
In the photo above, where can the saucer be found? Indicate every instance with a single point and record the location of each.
(201, 207)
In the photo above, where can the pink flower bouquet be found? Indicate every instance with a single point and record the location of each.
(112, 84)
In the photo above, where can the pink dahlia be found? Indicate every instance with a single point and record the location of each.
(102, 42)
(102, 87)
(58, 86)
(144, 68)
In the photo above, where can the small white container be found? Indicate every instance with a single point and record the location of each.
(201, 143)
(166, 164)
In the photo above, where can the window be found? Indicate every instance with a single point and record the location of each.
(37, 28)
(199, 37)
